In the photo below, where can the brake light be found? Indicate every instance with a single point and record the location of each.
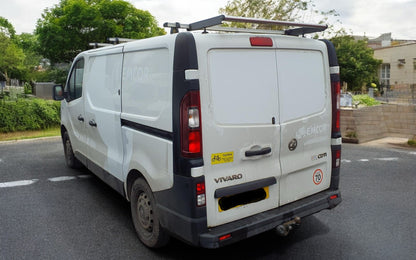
(336, 93)
(261, 41)
(200, 194)
(191, 136)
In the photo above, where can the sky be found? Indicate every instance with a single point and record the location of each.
(361, 17)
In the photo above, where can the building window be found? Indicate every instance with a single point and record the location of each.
(385, 75)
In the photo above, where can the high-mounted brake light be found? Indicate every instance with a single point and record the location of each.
(261, 41)
(200, 194)
(191, 136)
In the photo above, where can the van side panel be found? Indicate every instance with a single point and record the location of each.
(147, 113)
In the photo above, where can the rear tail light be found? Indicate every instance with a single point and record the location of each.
(200, 194)
(191, 136)
(336, 92)
(336, 158)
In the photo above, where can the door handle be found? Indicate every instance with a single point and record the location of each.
(92, 123)
(80, 118)
(262, 151)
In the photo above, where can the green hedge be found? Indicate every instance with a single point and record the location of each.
(29, 114)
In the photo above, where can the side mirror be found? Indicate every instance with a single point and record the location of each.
(58, 92)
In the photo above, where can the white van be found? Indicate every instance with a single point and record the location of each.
(212, 137)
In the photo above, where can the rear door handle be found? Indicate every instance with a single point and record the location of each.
(92, 123)
(80, 118)
(262, 151)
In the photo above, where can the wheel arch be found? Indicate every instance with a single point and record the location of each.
(131, 178)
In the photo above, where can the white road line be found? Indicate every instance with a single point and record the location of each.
(17, 183)
(345, 161)
(387, 159)
(85, 176)
(412, 153)
(62, 178)
(363, 160)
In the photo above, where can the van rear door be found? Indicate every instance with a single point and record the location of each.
(240, 129)
(305, 117)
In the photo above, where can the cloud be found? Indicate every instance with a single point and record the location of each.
(370, 17)
(23, 14)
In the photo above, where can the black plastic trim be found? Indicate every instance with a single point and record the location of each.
(240, 188)
(105, 176)
(335, 173)
(332, 55)
(263, 151)
(259, 223)
(185, 57)
(180, 215)
(148, 129)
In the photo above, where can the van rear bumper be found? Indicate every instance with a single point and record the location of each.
(268, 220)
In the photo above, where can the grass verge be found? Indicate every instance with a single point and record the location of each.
(20, 135)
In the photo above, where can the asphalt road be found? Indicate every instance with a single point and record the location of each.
(48, 211)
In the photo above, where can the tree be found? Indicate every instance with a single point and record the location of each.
(6, 27)
(68, 27)
(356, 60)
(283, 10)
(11, 56)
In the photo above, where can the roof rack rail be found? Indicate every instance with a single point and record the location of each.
(208, 24)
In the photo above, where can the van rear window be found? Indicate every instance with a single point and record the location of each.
(301, 80)
(243, 86)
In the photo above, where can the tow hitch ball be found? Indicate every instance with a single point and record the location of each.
(284, 229)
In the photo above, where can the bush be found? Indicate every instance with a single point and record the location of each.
(365, 100)
(29, 114)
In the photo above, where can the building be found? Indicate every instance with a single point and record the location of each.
(397, 73)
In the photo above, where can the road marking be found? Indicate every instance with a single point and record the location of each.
(30, 182)
(363, 160)
(1, 160)
(62, 178)
(387, 159)
(85, 176)
(412, 153)
(345, 161)
(17, 183)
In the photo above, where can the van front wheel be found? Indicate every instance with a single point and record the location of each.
(145, 217)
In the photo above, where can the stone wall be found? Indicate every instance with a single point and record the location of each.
(370, 123)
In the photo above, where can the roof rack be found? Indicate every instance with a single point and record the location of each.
(211, 24)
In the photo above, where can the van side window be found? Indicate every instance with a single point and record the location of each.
(75, 81)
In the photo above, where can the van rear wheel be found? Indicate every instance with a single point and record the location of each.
(145, 216)
(70, 159)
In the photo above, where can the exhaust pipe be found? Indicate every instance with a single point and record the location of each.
(284, 229)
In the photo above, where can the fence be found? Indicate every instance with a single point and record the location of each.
(399, 93)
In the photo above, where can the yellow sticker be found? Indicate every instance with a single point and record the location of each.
(217, 158)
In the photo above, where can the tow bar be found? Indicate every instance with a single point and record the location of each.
(284, 229)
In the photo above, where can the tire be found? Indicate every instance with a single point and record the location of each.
(70, 159)
(145, 216)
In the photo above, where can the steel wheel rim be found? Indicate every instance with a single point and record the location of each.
(145, 212)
